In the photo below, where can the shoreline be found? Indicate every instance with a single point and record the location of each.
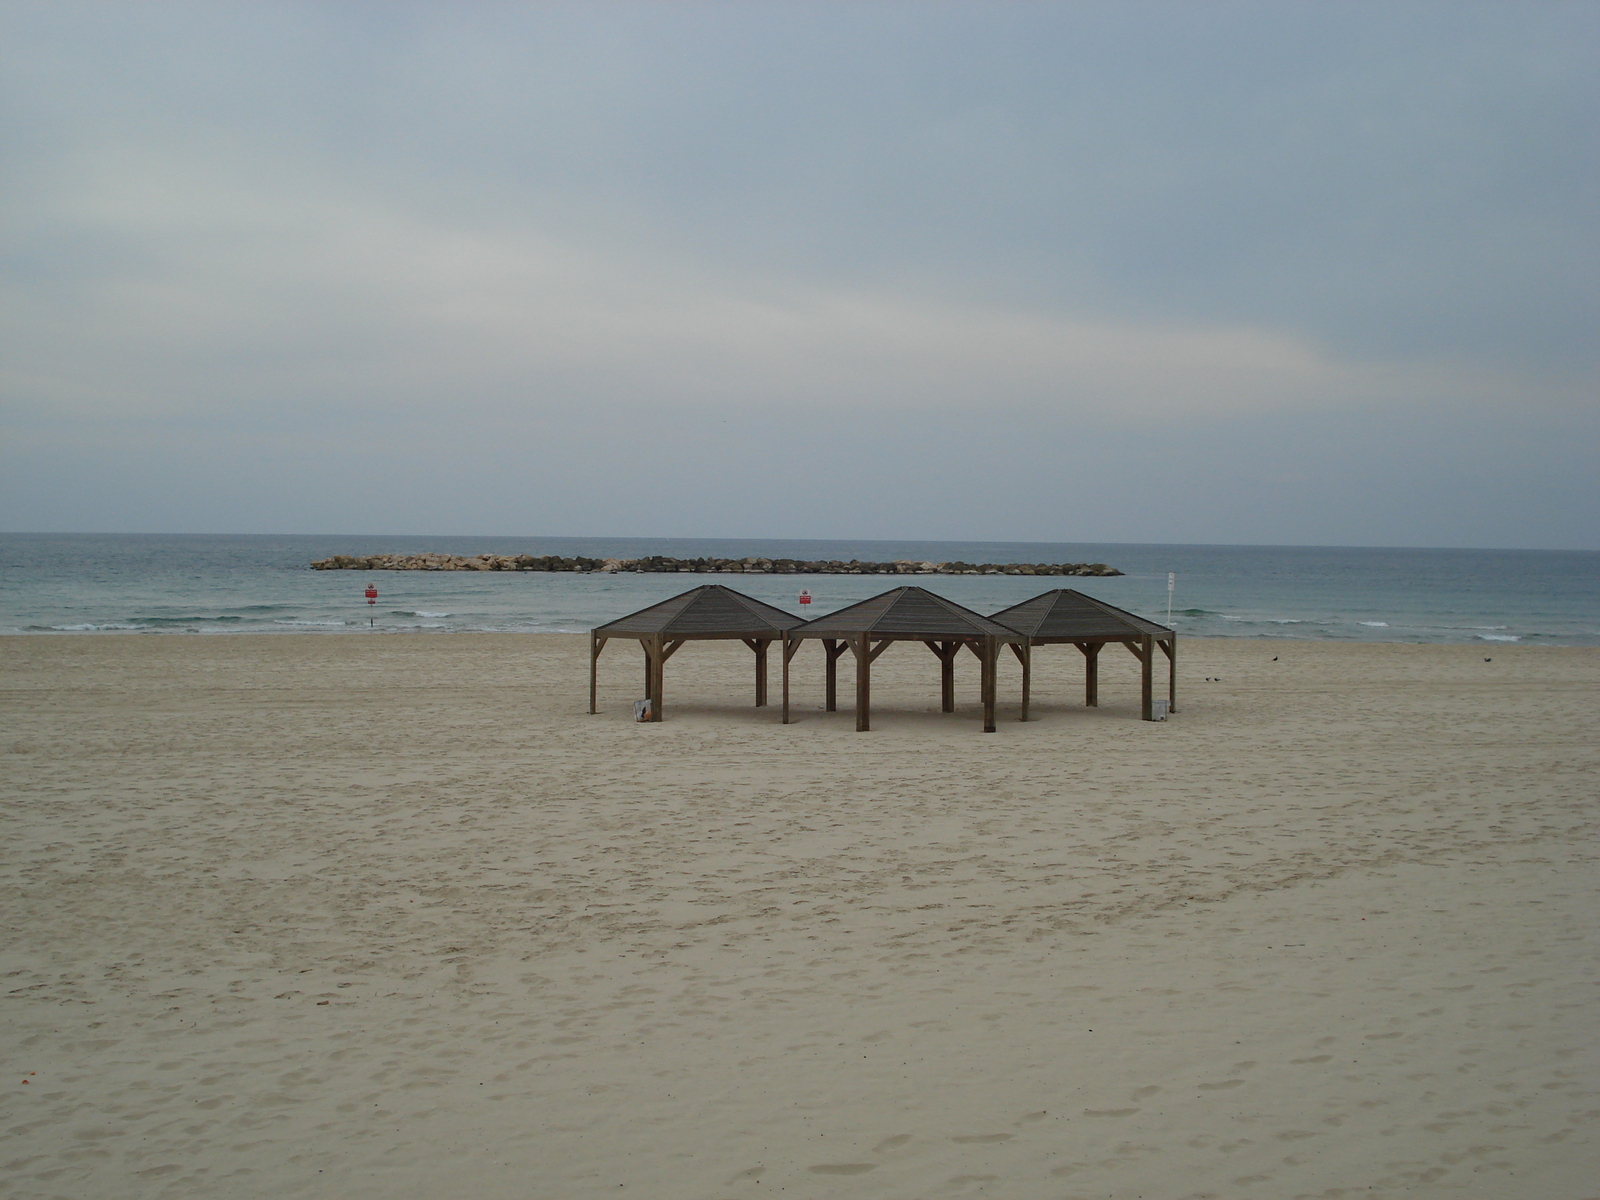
(1477, 642)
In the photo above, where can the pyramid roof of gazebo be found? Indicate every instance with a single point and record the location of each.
(709, 611)
(1067, 614)
(906, 612)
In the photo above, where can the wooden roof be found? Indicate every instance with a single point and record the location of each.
(1067, 614)
(906, 612)
(709, 611)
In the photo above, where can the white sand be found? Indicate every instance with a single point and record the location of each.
(392, 917)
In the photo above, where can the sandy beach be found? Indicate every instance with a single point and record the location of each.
(393, 917)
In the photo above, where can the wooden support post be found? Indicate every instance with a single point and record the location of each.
(1024, 653)
(946, 653)
(833, 649)
(1027, 679)
(759, 646)
(787, 653)
(1091, 673)
(649, 668)
(991, 668)
(596, 644)
(1171, 648)
(1147, 653)
(658, 681)
(863, 649)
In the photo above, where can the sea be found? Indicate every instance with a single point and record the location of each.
(203, 584)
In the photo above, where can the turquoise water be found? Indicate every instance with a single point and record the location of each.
(208, 584)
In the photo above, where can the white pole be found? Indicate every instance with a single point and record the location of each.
(1172, 580)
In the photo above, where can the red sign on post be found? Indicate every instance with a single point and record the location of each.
(372, 594)
(805, 596)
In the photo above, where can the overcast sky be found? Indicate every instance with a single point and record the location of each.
(1307, 273)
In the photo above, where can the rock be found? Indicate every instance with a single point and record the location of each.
(702, 566)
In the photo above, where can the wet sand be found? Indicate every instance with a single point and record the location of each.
(393, 916)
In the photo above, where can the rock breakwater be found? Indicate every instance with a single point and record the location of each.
(657, 564)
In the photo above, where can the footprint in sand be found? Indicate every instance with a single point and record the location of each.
(1109, 1112)
(842, 1168)
(984, 1137)
(892, 1143)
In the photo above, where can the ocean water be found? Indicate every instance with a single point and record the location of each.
(216, 584)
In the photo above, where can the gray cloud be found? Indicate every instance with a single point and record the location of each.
(1329, 270)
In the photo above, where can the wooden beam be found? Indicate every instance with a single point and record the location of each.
(761, 671)
(649, 668)
(833, 648)
(596, 644)
(1091, 673)
(991, 668)
(1171, 647)
(788, 652)
(946, 653)
(672, 648)
(879, 649)
(1024, 653)
(658, 684)
(1147, 654)
(863, 684)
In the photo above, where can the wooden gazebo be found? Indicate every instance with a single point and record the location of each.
(708, 613)
(907, 614)
(1064, 615)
